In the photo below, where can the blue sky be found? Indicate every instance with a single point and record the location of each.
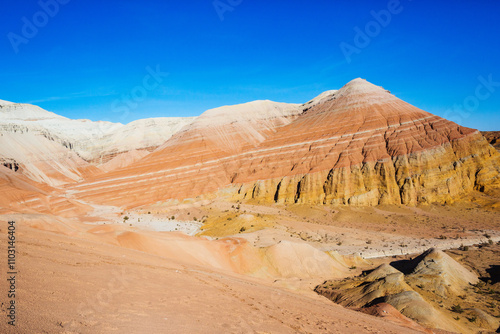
(88, 58)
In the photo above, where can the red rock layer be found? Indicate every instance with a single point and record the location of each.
(361, 146)
(23, 195)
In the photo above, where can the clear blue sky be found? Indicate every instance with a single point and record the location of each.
(83, 60)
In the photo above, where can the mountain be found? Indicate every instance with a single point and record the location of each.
(55, 150)
(25, 112)
(493, 137)
(359, 145)
(120, 199)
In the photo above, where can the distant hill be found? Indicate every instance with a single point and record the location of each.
(493, 138)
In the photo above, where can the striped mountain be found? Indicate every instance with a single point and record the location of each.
(359, 145)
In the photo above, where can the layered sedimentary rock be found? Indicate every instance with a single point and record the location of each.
(359, 145)
(23, 195)
(55, 150)
(493, 137)
(143, 134)
(41, 159)
(92, 141)
(426, 289)
(365, 146)
(200, 159)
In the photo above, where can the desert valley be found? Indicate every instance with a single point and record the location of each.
(354, 212)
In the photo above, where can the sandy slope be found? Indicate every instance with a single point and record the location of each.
(71, 282)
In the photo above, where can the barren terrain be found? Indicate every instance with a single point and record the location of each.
(131, 275)
(72, 281)
(233, 220)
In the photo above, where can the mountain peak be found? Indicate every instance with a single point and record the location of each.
(22, 111)
(250, 111)
(362, 86)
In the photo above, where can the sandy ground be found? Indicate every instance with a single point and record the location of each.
(73, 282)
(102, 273)
(152, 223)
(370, 232)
